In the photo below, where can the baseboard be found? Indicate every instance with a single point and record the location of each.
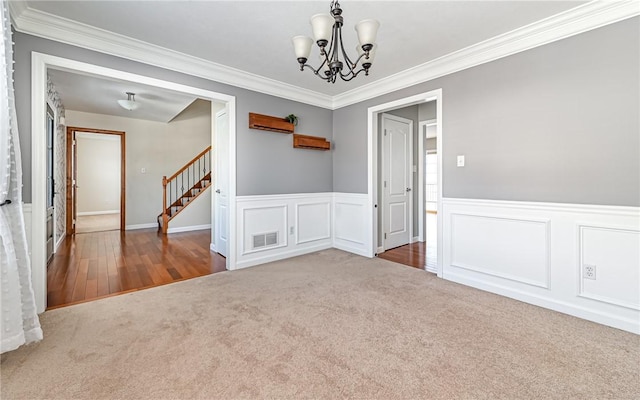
(415, 239)
(140, 226)
(380, 250)
(189, 228)
(58, 243)
(432, 270)
(212, 247)
(625, 324)
(281, 256)
(85, 213)
(351, 249)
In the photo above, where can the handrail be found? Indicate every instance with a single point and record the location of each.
(187, 165)
(195, 175)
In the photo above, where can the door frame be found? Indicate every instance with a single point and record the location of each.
(71, 196)
(409, 171)
(372, 164)
(422, 187)
(40, 62)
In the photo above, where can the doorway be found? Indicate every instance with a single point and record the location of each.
(397, 159)
(415, 253)
(96, 180)
(40, 64)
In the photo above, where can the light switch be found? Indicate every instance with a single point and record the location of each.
(460, 161)
(143, 170)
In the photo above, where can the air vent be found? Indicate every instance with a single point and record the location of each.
(265, 240)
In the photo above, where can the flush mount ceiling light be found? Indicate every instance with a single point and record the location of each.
(130, 103)
(327, 30)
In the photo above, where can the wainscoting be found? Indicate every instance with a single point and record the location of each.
(582, 260)
(351, 216)
(275, 227)
(541, 253)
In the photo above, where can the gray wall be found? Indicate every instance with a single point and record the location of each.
(266, 162)
(558, 123)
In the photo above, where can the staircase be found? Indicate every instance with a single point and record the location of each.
(181, 188)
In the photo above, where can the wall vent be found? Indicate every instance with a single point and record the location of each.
(265, 240)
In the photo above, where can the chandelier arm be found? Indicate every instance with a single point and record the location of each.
(351, 65)
(346, 77)
(315, 71)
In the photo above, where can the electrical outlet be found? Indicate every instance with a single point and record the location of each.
(589, 271)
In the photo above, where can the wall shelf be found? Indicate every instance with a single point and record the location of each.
(310, 142)
(269, 123)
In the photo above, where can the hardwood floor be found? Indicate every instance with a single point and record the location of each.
(412, 254)
(89, 266)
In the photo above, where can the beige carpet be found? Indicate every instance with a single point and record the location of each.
(322, 326)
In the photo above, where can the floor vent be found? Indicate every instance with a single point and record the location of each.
(265, 240)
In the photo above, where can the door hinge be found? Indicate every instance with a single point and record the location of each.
(385, 183)
(385, 132)
(385, 235)
(74, 142)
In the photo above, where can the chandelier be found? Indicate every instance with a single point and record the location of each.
(327, 31)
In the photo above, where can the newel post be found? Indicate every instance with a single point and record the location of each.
(165, 217)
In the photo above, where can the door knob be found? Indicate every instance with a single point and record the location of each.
(217, 190)
(408, 189)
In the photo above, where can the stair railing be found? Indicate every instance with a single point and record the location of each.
(179, 188)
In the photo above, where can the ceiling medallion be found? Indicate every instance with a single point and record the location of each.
(327, 30)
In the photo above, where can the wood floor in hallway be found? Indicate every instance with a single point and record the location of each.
(412, 254)
(89, 266)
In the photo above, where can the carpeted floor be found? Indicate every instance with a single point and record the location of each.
(322, 326)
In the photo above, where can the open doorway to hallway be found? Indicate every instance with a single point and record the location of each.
(160, 149)
(407, 184)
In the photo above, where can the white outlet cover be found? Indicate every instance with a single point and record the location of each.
(460, 161)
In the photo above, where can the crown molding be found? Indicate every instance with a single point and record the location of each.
(577, 20)
(49, 26)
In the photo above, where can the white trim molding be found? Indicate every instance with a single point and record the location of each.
(50, 26)
(592, 15)
(141, 226)
(87, 213)
(537, 252)
(577, 20)
(189, 228)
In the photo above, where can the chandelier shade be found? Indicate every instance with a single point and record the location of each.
(367, 30)
(322, 26)
(130, 103)
(302, 46)
(334, 61)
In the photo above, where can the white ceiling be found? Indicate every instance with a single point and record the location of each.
(255, 36)
(99, 95)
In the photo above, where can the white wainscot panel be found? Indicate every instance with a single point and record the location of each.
(614, 255)
(313, 222)
(275, 227)
(350, 223)
(261, 221)
(506, 247)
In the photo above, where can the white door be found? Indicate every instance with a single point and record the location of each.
(221, 183)
(396, 180)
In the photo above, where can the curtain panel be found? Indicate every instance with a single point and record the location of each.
(19, 324)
